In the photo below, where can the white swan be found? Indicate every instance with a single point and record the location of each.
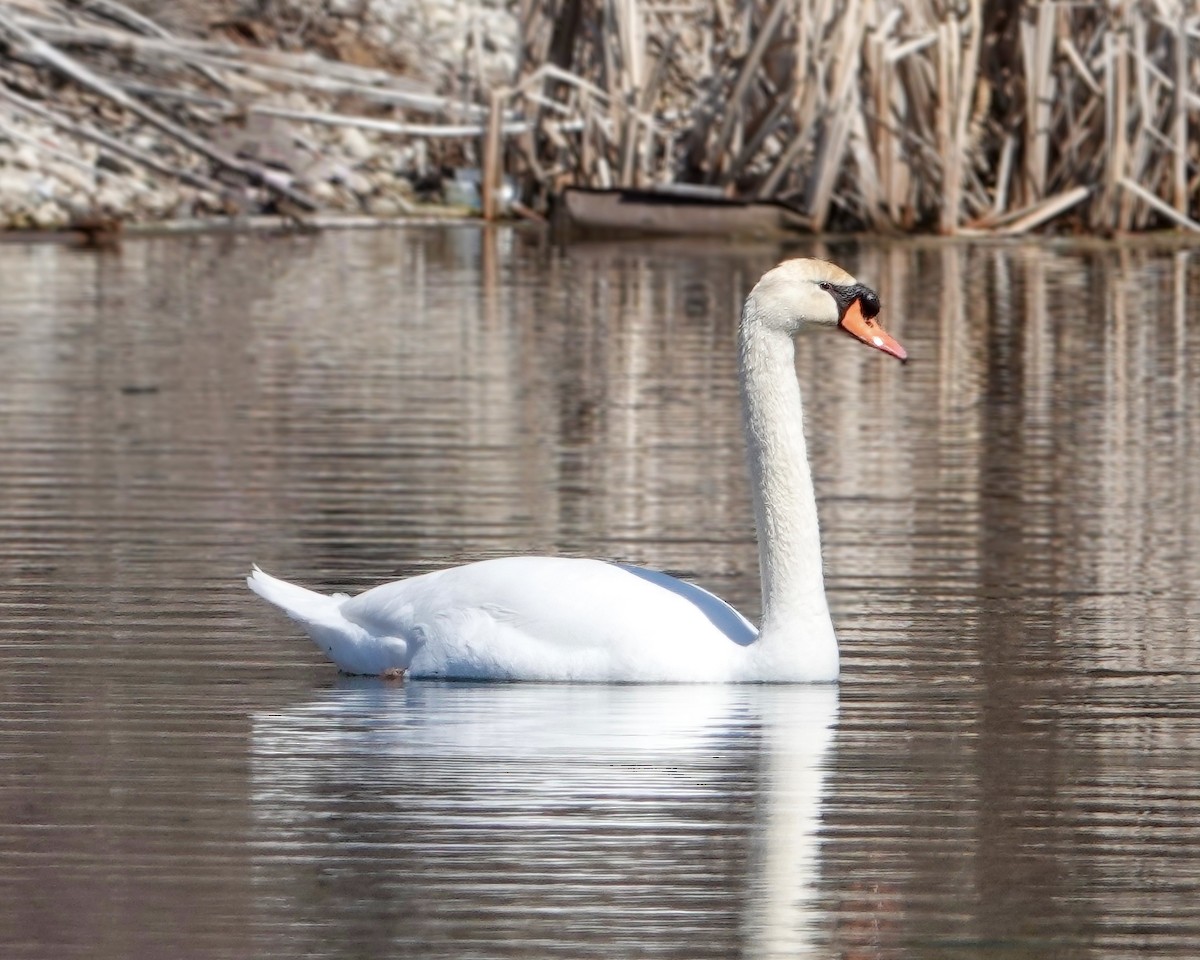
(558, 619)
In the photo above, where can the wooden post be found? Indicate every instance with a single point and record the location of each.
(1181, 108)
(493, 167)
(1120, 143)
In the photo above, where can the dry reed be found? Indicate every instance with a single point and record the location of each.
(881, 114)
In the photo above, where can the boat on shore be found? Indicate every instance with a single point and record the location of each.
(681, 210)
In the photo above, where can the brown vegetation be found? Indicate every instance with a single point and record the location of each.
(879, 114)
(955, 117)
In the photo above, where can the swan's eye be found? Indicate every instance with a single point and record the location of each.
(826, 286)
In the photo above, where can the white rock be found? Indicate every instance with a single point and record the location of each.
(177, 200)
(297, 100)
(381, 35)
(205, 201)
(357, 184)
(114, 197)
(323, 192)
(356, 144)
(380, 180)
(391, 9)
(16, 187)
(383, 206)
(344, 199)
(26, 156)
(49, 216)
(70, 176)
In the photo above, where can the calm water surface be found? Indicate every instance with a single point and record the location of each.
(1010, 768)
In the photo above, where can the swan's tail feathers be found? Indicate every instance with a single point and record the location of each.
(346, 643)
(306, 606)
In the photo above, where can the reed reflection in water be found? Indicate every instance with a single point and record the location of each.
(1008, 531)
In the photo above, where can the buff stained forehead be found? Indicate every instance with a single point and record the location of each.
(812, 271)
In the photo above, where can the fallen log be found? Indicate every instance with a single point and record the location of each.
(1047, 210)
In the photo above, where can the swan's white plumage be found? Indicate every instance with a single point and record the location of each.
(558, 619)
(527, 618)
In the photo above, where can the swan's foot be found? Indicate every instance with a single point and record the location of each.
(392, 673)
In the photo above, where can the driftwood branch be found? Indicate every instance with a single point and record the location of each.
(431, 131)
(1047, 210)
(119, 13)
(305, 71)
(1152, 201)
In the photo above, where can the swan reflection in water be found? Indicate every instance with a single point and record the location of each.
(511, 819)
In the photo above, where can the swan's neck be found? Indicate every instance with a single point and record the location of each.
(785, 509)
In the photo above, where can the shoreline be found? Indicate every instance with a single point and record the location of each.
(460, 218)
(108, 115)
(119, 231)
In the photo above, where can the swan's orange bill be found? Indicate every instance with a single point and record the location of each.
(868, 330)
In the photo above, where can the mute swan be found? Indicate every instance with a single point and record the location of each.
(553, 618)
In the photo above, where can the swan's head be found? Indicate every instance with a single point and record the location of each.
(807, 291)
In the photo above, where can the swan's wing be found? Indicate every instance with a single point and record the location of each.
(551, 618)
(724, 617)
